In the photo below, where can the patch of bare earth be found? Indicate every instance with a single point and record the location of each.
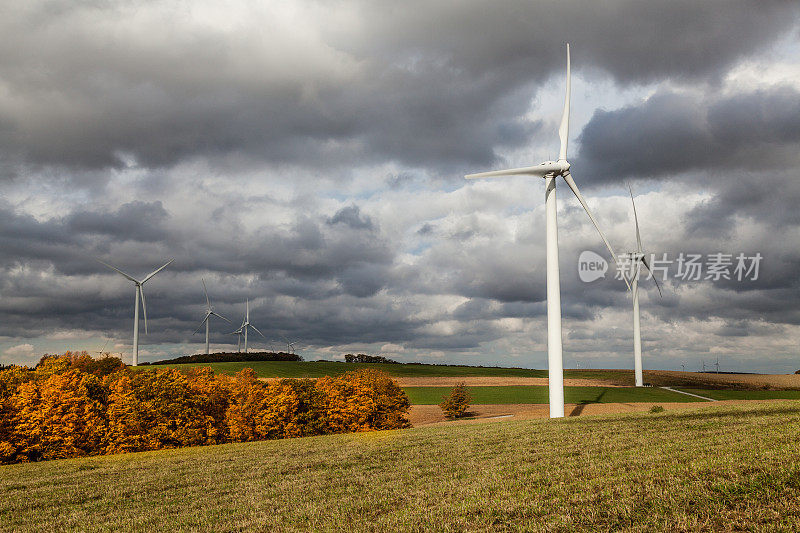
(488, 381)
(731, 381)
(494, 381)
(426, 415)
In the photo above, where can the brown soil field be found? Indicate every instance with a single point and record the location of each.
(727, 381)
(617, 378)
(425, 415)
(495, 381)
(488, 381)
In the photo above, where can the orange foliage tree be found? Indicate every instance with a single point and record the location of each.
(73, 405)
(364, 400)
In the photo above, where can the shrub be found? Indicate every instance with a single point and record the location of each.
(657, 409)
(456, 405)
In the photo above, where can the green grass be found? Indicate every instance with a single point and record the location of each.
(537, 394)
(299, 369)
(312, 369)
(746, 394)
(714, 469)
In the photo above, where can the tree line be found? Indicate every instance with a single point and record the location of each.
(73, 405)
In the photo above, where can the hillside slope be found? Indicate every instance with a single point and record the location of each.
(711, 469)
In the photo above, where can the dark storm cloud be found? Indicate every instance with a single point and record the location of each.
(422, 90)
(93, 86)
(673, 133)
(351, 216)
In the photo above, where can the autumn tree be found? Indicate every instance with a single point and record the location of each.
(456, 404)
(364, 400)
(59, 417)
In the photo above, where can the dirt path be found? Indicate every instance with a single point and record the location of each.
(426, 415)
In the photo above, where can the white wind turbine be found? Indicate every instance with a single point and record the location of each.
(139, 292)
(209, 312)
(243, 328)
(637, 259)
(550, 170)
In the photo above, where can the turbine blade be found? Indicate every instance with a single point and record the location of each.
(201, 325)
(156, 271)
(636, 221)
(563, 131)
(579, 196)
(220, 316)
(144, 307)
(118, 270)
(539, 171)
(255, 328)
(652, 275)
(208, 302)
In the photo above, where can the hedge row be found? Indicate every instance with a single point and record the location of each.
(73, 406)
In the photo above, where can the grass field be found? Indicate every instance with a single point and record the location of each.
(538, 394)
(299, 369)
(714, 469)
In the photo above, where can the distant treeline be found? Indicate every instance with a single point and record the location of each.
(73, 406)
(364, 358)
(229, 357)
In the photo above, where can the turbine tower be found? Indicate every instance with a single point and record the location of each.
(243, 328)
(139, 293)
(550, 170)
(637, 259)
(209, 312)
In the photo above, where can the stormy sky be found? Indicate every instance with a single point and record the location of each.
(310, 155)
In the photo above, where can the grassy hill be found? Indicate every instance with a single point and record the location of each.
(719, 468)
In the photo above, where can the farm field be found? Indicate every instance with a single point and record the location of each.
(722, 394)
(539, 394)
(607, 377)
(728, 468)
(312, 369)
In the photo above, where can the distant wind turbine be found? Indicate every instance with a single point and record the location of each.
(289, 344)
(103, 351)
(209, 312)
(550, 170)
(638, 258)
(245, 325)
(139, 293)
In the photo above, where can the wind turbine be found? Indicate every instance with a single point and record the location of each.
(139, 293)
(289, 344)
(238, 332)
(637, 259)
(103, 351)
(246, 324)
(550, 170)
(209, 312)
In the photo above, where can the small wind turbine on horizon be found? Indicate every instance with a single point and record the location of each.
(139, 293)
(209, 312)
(550, 170)
(289, 344)
(103, 351)
(243, 328)
(637, 259)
